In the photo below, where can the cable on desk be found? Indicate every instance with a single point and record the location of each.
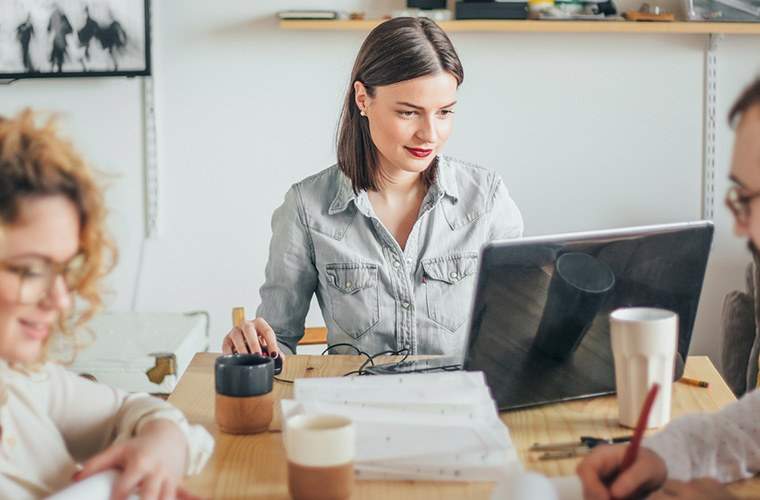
(346, 344)
(384, 353)
(343, 344)
(371, 360)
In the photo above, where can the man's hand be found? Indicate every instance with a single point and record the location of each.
(598, 473)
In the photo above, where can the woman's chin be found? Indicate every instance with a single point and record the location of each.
(26, 351)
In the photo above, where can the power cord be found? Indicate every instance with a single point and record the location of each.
(370, 359)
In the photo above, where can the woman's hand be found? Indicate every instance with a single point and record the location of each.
(698, 489)
(152, 463)
(251, 338)
(599, 469)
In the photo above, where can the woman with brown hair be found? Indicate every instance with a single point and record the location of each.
(54, 253)
(388, 238)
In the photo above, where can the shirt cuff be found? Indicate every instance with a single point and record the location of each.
(200, 444)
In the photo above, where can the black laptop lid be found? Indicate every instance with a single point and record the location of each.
(540, 321)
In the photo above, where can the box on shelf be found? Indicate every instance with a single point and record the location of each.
(492, 10)
(141, 352)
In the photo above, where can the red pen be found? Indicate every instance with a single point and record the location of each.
(633, 449)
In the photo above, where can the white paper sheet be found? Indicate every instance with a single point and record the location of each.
(97, 487)
(419, 426)
(532, 486)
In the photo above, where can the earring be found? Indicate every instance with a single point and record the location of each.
(362, 113)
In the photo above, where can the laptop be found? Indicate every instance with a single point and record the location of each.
(539, 326)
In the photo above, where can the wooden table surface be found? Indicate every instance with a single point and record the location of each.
(254, 466)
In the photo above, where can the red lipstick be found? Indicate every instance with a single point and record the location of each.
(418, 152)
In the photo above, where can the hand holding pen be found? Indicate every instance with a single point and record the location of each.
(624, 471)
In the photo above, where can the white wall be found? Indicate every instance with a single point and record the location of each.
(588, 131)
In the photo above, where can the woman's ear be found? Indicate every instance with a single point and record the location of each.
(360, 97)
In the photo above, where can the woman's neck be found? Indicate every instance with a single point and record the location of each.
(396, 183)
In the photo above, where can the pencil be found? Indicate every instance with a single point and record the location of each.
(693, 381)
(633, 449)
(238, 316)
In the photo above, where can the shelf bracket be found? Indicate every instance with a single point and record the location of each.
(151, 178)
(709, 140)
(152, 184)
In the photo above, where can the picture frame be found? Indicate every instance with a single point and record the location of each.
(74, 38)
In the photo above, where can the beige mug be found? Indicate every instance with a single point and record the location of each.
(320, 451)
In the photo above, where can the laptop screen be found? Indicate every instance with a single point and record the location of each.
(540, 321)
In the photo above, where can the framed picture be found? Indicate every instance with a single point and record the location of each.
(60, 38)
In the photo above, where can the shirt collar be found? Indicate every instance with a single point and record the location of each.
(444, 179)
(444, 183)
(343, 196)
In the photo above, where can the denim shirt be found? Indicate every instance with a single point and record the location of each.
(327, 240)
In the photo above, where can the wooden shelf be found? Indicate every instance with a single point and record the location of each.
(679, 27)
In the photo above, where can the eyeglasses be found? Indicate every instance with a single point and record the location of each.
(37, 276)
(738, 203)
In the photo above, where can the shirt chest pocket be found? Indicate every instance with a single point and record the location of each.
(353, 294)
(449, 284)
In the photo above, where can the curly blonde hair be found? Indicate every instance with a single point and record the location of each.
(36, 161)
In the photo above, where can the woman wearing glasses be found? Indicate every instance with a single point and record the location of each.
(53, 254)
(388, 238)
(717, 448)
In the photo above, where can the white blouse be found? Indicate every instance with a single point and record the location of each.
(723, 445)
(51, 420)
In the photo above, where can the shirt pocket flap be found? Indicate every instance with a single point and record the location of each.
(451, 269)
(350, 278)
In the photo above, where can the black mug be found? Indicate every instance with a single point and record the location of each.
(244, 400)
(243, 375)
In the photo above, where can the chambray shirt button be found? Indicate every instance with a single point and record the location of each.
(348, 284)
(405, 305)
(396, 264)
(454, 276)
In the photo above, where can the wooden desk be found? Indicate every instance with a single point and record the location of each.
(254, 466)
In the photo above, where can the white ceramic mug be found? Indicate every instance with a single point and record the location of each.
(320, 450)
(644, 347)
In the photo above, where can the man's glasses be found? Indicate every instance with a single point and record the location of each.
(36, 276)
(739, 202)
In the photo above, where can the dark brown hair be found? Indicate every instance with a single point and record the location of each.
(746, 100)
(397, 50)
(36, 162)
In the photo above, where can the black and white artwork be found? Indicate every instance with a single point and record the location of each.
(51, 38)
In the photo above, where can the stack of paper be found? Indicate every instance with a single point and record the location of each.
(435, 426)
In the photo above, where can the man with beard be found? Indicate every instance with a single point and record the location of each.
(694, 454)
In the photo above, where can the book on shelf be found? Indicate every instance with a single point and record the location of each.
(307, 14)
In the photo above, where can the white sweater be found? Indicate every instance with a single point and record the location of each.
(52, 419)
(723, 445)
